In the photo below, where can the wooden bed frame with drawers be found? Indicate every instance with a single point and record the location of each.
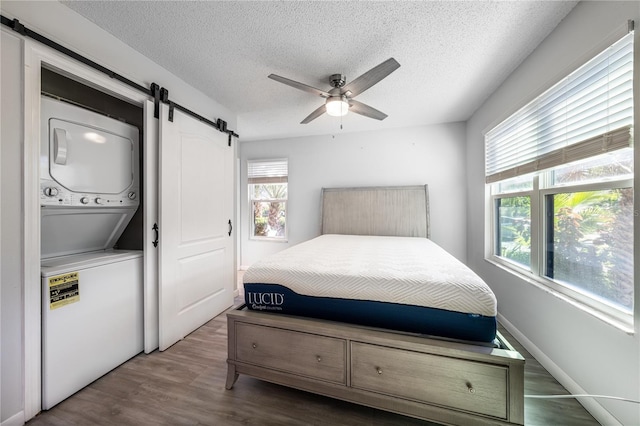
(439, 380)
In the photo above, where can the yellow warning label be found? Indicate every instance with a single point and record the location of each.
(64, 289)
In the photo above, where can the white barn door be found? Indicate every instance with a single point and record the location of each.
(195, 213)
(150, 193)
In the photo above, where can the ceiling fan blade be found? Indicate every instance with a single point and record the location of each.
(366, 110)
(300, 86)
(371, 77)
(315, 114)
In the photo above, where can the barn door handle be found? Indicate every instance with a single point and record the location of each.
(230, 227)
(155, 228)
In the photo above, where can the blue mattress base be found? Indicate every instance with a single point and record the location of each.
(276, 298)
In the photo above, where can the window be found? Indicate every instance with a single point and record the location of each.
(560, 178)
(268, 198)
(513, 233)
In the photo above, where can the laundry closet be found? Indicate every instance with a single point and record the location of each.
(92, 272)
(136, 233)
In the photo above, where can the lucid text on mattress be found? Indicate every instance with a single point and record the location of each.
(265, 301)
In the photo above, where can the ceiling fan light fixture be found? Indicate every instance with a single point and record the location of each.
(337, 106)
(339, 100)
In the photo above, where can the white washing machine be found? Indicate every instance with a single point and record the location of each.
(92, 319)
(92, 306)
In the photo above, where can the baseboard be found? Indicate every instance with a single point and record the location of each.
(590, 404)
(15, 420)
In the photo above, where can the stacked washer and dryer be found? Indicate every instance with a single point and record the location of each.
(92, 309)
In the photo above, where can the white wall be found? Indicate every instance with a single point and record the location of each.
(433, 155)
(586, 354)
(66, 27)
(11, 288)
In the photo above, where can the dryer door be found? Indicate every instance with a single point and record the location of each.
(88, 159)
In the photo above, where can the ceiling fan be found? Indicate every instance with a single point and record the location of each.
(339, 100)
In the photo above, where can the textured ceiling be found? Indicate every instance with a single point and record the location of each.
(453, 55)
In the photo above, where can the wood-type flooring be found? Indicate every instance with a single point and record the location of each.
(184, 385)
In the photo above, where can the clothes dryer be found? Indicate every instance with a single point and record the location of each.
(87, 159)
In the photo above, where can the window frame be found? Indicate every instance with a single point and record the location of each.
(536, 273)
(495, 230)
(252, 223)
(266, 180)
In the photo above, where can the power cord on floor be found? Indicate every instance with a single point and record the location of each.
(617, 398)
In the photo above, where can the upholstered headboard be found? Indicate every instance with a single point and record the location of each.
(401, 211)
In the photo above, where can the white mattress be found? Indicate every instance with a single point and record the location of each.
(405, 270)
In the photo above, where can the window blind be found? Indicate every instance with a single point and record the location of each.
(267, 171)
(589, 112)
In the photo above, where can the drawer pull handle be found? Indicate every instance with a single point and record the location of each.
(319, 358)
(470, 388)
(253, 345)
(379, 370)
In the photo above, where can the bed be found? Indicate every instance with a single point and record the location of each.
(373, 312)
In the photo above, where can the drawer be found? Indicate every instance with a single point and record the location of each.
(304, 354)
(450, 382)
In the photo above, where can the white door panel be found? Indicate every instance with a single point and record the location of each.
(195, 206)
(198, 203)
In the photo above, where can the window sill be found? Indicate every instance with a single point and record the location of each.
(624, 326)
(269, 239)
